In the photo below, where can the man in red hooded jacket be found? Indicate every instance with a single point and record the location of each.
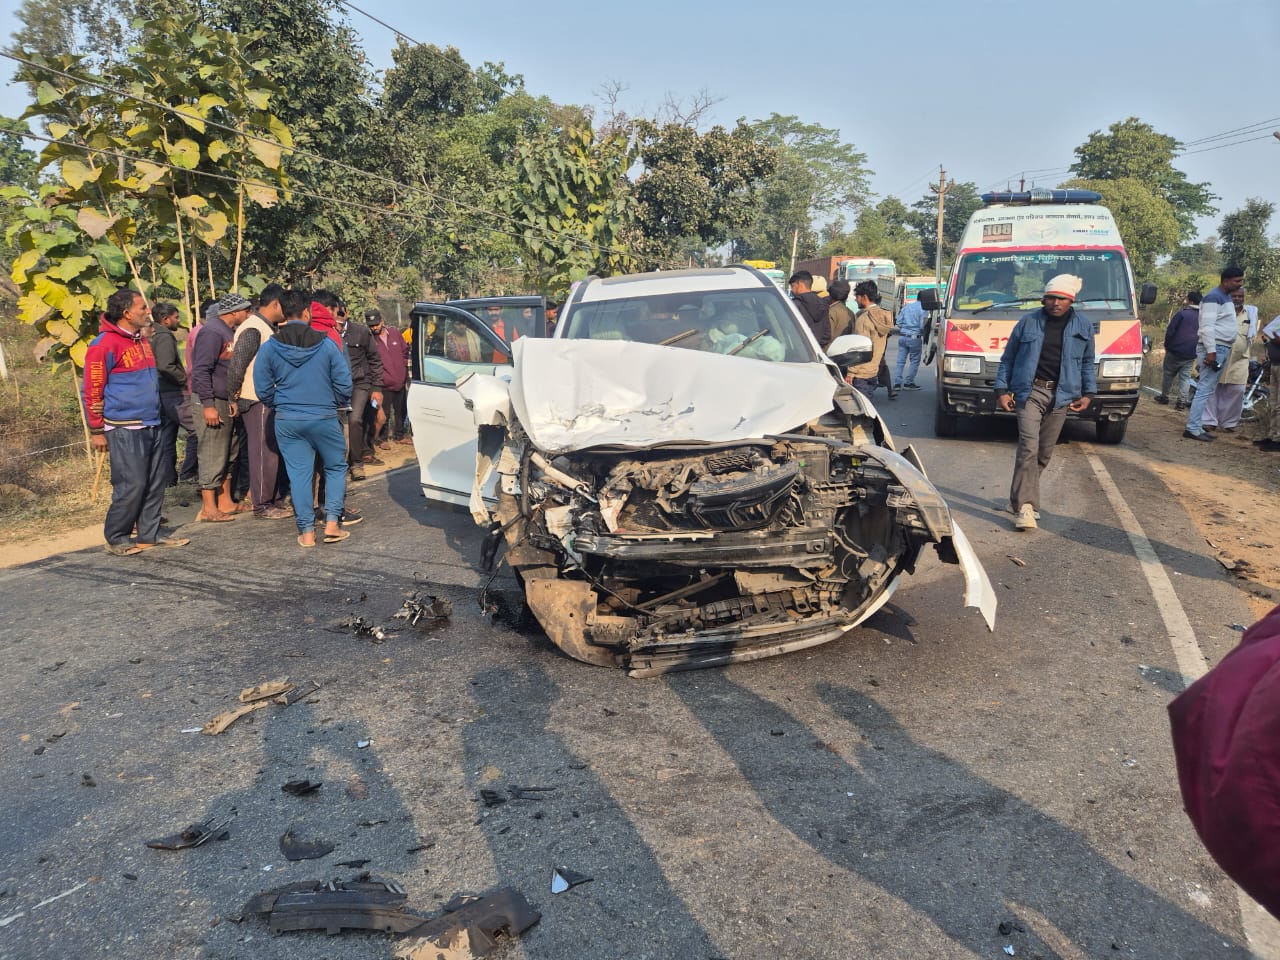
(122, 405)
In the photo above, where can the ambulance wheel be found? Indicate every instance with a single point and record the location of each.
(1111, 431)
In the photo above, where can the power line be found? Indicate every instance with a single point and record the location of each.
(1249, 128)
(1265, 136)
(409, 188)
(398, 33)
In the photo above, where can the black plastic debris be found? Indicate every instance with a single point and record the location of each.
(195, 835)
(295, 848)
(563, 879)
(492, 798)
(420, 607)
(353, 864)
(86, 780)
(364, 627)
(300, 788)
(335, 905)
(470, 924)
(527, 793)
(1008, 926)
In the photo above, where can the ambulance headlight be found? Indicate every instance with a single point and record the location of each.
(1121, 369)
(970, 365)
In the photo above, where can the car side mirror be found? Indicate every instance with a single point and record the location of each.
(1148, 295)
(929, 299)
(850, 350)
(1146, 344)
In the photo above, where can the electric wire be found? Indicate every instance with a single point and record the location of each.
(365, 13)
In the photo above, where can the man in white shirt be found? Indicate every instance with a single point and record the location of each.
(1217, 332)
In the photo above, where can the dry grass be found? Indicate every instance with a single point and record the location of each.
(46, 479)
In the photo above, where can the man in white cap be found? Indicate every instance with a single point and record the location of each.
(1046, 370)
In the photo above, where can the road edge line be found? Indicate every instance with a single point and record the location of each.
(1261, 930)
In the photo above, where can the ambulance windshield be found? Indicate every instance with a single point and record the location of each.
(1012, 282)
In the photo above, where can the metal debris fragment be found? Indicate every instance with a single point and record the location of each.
(193, 836)
(563, 879)
(421, 606)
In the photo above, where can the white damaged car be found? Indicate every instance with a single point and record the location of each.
(681, 477)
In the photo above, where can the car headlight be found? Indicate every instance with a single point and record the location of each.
(1121, 369)
(962, 365)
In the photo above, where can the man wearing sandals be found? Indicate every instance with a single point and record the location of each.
(216, 430)
(302, 375)
(122, 404)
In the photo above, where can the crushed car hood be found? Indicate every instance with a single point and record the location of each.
(576, 394)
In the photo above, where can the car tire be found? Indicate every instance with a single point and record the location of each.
(1111, 431)
(944, 424)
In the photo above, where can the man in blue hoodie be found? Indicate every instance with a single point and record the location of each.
(302, 375)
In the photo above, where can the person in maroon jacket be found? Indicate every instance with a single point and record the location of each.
(395, 376)
(1226, 741)
(122, 407)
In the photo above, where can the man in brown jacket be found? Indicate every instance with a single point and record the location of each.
(873, 322)
(838, 312)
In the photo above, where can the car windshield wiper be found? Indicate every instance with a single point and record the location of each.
(1016, 301)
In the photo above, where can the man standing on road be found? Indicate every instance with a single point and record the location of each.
(301, 374)
(838, 312)
(1046, 370)
(218, 434)
(175, 408)
(394, 353)
(910, 330)
(122, 404)
(260, 445)
(874, 322)
(366, 389)
(1217, 332)
(812, 307)
(1180, 339)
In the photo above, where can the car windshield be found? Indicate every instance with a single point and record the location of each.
(996, 283)
(754, 323)
(882, 274)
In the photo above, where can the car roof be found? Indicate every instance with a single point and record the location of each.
(672, 281)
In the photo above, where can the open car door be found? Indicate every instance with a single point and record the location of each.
(449, 344)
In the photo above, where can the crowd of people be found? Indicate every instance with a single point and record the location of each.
(283, 400)
(1216, 334)
(825, 308)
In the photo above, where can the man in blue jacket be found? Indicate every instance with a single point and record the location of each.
(1046, 370)
(302, 375)
(1180, 339)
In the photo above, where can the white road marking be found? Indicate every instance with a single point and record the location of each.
(1260, 928)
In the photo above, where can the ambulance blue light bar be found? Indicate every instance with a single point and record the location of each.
(1043, 196)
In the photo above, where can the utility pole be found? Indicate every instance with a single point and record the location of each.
(795, 239)
(942, 189)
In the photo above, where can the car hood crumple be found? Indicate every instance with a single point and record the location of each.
(576, 394)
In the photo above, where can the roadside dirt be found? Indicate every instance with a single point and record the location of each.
(1229, 490)
(81, 528)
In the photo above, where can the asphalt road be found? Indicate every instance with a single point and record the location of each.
(900, 793)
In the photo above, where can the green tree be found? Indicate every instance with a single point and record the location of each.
(818, 176)
(97, 30)
(144, 180)
(1147, 223)
(1133, 150)
(697, 186)
(1244, 243)
(18, 165)
(573, 206)
(962, 200)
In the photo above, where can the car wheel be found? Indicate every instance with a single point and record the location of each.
(1111, 431)
(944, 424)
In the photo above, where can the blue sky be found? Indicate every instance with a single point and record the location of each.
(988, 88)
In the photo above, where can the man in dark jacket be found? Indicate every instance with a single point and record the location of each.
(812, 307)
(175, 407)
(395, 372)
(1180, 350)
(366, 388)
(218, 433)
(1046, 370)
(302, 375)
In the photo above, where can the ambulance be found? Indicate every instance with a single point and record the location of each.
(1011, 247)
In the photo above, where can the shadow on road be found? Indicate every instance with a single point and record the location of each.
(958, 850)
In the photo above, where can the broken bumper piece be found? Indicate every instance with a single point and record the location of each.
(469, 927)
